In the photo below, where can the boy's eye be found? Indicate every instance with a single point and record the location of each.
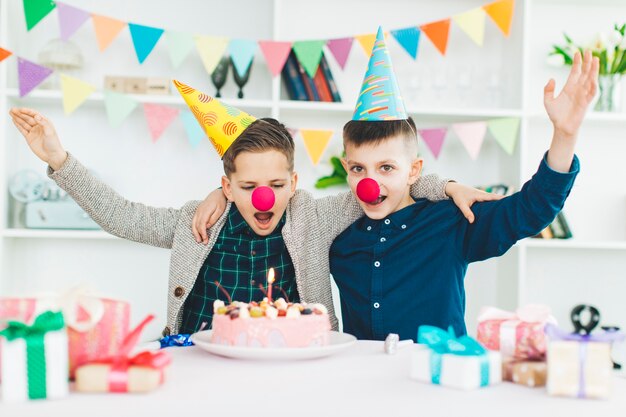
(278, 185)
(248, 187)
(386, 168)
(356, 169)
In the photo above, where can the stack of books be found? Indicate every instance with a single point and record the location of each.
(300, 86)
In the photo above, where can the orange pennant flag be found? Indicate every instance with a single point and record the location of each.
(4, 54)
(316, 142)
(106, 29)
(366, 42)
(501, 12)
(438, 32)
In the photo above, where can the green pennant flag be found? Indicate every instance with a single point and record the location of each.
(505, 132)
(35, 10)
(309, 53)
(179, 45)
(118, 107)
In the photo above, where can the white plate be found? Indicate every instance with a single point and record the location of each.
(337, 342)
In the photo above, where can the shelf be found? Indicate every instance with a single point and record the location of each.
(574, 244)
(56, 234)
(56, 95)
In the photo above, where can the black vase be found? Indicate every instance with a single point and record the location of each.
(219, 74)
(241, 81)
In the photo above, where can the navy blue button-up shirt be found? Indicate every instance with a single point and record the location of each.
(407, 270)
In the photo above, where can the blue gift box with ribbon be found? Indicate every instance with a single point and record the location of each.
(458, 362)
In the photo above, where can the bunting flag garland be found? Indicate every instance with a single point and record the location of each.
(434, 139)
(144, 39)
(106, 30)
(4, 54)
(159, 117)
(308, 52)
(472, 135)
(315, 142)
(30, 75)
(75, 92)
(276, 54)
(438, 32)
(195, 134)
(70, 19)
(340, 48)
(505, 132)
(118, 106)
(473, 24)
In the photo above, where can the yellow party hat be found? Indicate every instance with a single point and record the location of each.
(222, 123)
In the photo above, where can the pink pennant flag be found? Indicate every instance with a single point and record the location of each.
(30, 75)
(276, 54)
(340, 48)
(472, 135)
(159, 118)
(70, 19)
(292, 131)
(434, 139)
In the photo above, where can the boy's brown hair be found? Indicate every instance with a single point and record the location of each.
(261, 136)
(360, 132)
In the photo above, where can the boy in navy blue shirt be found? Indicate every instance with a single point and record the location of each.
(403, 264)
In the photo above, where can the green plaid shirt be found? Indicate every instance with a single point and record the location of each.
(239, 261)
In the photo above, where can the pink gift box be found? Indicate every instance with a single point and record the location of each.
(518, 335)
(96, 326)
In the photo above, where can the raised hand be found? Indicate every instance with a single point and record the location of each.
(40, 135)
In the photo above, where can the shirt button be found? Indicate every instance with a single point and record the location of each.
(403, 226)
(253, 253)
(376, 264)
(178, 292)
(387, 221)
(376, 305)
(369, 227)
(382, 239)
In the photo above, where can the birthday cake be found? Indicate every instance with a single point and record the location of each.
(268, 324)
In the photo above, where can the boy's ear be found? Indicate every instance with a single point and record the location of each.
(344, 163)
(227, 189)
(294, 182)
(416, 170)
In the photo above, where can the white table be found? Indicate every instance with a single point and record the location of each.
(360, 381)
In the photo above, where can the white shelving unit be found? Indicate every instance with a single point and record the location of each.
(506, 78)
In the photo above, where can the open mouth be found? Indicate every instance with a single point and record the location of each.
(378, 201)
(264, 218)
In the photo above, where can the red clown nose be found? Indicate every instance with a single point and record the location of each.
(367, 190)
(263, 198)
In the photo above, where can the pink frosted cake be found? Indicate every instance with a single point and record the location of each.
(271, 325)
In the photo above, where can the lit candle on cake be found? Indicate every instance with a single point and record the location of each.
(270, 281)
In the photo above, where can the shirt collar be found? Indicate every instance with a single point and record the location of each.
(398, 220)
(236, 224)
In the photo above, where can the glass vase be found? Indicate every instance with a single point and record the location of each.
(608, 86)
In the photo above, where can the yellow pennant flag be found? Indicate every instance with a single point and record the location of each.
(316, 142)
(473, 24)
(75, 92)
(211, 50)
(366, 42)
(501, 12)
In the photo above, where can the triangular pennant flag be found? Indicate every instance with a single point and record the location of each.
(195, 134)
(473, 24)
(30, 75)
(309, 53)
(408, 38)
(438, 32)
(211, 50)
(340, 48)
(35, 10)
(75, 92)
(292, 131)
(501, 12)
(315, 142)
(70, 19)
(276, 54)
(4, 54)
(159, 118)
(434, 139)
(144, 39)
(472, 135)
(242, 53)
(179, 45)
(106, 29)
(366, 42)
(505, 132)
(118, 107)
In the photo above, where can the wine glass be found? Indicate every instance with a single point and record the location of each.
(219, 74)
(241, 81)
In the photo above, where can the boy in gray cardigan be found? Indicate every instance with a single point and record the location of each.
(293, 236)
